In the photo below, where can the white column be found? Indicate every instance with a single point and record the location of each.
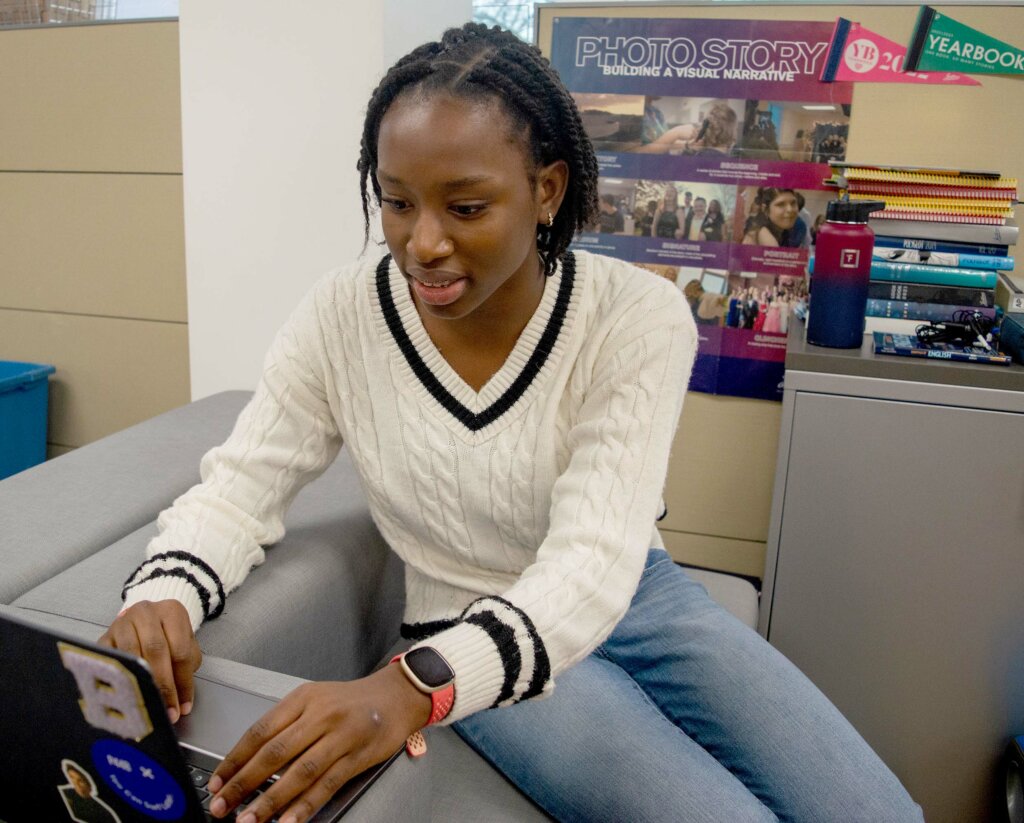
(273, 97)
(272, 101)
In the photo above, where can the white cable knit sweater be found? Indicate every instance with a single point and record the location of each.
(523, 512)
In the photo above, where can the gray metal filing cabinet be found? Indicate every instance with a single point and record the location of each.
(895, 560)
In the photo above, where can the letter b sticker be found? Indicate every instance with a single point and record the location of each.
(111, 699)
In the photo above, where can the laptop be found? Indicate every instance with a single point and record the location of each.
(84, 736)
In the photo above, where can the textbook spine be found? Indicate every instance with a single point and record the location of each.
(925, 312)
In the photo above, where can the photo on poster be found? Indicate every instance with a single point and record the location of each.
(762, 302)
(705, 291)
(779, 217)
(701, 126)
(678, 210)
(616, 201)
(797, 132)
(613, 122)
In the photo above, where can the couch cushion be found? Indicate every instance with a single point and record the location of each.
(326, 604)
(61, 511)
(736, 594)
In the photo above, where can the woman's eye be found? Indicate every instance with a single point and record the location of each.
(394, 203)
(467, 209)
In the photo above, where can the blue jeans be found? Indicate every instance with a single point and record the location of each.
(686, 714)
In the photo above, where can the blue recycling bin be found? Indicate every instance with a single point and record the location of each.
(24, 390)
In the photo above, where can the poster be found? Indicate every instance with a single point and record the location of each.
(713, 138)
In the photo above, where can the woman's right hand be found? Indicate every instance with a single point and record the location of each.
(685, 133)
(161, 633)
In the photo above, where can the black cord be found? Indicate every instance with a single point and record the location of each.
(966, 327)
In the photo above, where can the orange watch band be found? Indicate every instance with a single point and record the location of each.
(441, 701)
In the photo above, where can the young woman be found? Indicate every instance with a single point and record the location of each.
(669, 216)
(509, 406)
(775, 223)
(714, 136)
(712, 227)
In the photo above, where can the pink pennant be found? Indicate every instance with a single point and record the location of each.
(859, 55)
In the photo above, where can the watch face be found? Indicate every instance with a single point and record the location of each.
(428, 665)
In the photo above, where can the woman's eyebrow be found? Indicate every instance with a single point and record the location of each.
(466, 182)
(447, 185)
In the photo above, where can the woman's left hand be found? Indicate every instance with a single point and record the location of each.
(329, 732)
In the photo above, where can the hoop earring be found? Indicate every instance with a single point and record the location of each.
(551, 220)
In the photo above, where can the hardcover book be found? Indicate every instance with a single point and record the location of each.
(929, 293)
(941, 258)
(923, 273)
(936, 312)
(938, 275)
(950, 246)
(928, 229)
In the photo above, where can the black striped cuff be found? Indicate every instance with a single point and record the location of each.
(421, 631)
(514, 636)
(183, 566)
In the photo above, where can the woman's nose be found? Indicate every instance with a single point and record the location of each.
(429, 240)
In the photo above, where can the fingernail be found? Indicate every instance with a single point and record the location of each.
(218, 806)
(248, 817)
(289, 818)
(173, 714)
(186, 708)
(214, 784)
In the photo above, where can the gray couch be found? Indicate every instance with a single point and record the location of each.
(75, 527)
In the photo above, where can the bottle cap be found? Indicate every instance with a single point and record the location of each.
(852, 211)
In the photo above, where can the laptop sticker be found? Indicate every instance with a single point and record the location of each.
(79, 795)
(111, 699)
(142, 782)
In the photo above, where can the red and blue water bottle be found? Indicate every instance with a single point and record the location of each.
(841, 274)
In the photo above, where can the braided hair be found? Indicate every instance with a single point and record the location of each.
(478, 62)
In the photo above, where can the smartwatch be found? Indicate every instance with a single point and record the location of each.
(431, 674)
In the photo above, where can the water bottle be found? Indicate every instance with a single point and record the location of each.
(840, 275)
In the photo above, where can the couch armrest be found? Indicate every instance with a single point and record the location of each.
(62, 511)
(326, 604)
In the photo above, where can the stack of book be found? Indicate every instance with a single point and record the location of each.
(939, 242)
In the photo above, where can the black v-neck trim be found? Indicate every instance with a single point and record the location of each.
(539, 356)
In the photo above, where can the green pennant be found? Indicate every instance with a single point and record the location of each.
(940, 43)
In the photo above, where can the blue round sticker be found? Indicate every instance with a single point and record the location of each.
(138, 779)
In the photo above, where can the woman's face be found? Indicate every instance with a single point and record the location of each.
(80, 783)
(783, 210)
(458, 207)
(714, 207)
(671, 200)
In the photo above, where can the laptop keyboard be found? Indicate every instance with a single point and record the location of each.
(200, 777)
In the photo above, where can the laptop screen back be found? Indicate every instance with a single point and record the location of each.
(85, 735)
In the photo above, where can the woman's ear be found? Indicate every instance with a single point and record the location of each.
(552, 181)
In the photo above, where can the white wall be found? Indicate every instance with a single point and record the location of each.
(409, 23)
(272, 109)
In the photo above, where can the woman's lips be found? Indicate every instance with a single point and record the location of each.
(437, 287)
